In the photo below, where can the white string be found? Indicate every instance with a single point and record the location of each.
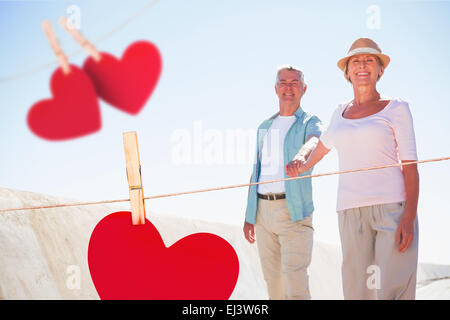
(78, 51)
(225, 187)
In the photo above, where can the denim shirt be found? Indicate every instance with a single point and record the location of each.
(299, 191)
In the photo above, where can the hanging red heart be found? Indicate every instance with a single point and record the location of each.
(132, 262)
(71, 113)
(126, 83)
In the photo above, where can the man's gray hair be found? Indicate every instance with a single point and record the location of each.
(290, 67)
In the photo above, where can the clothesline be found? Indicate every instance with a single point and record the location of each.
(224, 187)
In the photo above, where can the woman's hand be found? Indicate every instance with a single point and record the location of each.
(405, 234)
(405, 231)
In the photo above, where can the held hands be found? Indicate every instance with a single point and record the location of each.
(296, 167)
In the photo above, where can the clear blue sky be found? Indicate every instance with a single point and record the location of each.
(219, 62)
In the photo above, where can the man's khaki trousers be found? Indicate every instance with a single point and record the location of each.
(372, 266)
(285, 249)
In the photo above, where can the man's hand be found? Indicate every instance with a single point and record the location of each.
(249, 232)
(405, 234)
(295, 167)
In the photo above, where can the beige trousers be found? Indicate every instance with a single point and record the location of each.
(372, 266)
(285, 249)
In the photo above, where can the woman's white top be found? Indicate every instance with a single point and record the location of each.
(380, 139)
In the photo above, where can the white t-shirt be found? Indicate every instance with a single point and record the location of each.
(272, 155)
(380, 139)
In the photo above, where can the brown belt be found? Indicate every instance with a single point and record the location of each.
(272, 196)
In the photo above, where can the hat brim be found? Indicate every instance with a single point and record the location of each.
(384, 59)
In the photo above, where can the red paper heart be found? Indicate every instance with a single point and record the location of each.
(71, 113)
(126, 83)
(132, 262)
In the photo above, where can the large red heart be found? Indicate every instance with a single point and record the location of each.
(126, 83)
(132, 262)
(71, 113)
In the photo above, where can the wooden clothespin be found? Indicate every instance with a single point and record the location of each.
(134, 177)
(60, 55)
(82, 41)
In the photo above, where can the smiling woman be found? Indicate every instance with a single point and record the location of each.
(376, 210)
(370, 53)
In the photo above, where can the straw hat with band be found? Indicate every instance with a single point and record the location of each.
(363, 46)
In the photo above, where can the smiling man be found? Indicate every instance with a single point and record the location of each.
(279, 214)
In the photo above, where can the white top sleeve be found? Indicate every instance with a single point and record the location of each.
(402, 124)
(327, 136)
